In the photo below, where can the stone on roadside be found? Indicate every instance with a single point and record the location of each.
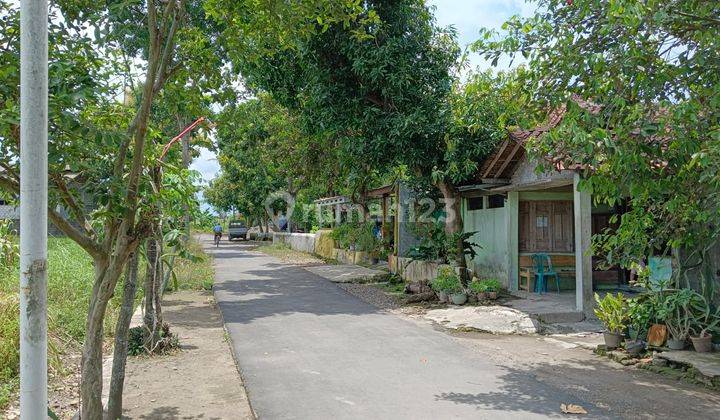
(492, 319)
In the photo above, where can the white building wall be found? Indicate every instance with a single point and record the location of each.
(491, 228)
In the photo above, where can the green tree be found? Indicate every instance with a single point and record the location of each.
(640, 82)
(389, 92)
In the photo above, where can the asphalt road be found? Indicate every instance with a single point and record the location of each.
(308, 350)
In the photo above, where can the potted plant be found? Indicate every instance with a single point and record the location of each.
(652, 300)
(477, 288)
(448, 287)
(611, 310)
(491, 288)
(639, 315)
(676, 311)
(704, 321)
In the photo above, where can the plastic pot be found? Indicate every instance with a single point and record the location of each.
(612, 340)
(702, 344)
(675, 344)
(458, 298)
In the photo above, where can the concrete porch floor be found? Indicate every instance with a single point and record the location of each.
(550, 308)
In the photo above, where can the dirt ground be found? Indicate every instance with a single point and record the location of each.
(200, 381)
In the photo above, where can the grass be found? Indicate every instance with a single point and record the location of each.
(70, 279)
(394, 286)
(195, 274)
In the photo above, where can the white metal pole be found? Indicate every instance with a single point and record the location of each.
(33, 208)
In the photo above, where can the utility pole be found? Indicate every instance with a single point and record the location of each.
(33, 208)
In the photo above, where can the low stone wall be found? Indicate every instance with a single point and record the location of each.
(304, 242)
(324, 244)
(344, 256)
(413, 270)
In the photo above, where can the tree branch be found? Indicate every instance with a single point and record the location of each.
(73, 233)
(73, 205)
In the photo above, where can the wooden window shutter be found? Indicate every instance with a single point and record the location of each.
(523, 226)
(541, 223)
(563, 226)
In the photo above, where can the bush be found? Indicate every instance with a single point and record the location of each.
(486, 285)
(436, 245)
(358, 235)
(446, 281)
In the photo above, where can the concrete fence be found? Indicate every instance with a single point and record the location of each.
(413, 270)
(304, 242)
(322, 244)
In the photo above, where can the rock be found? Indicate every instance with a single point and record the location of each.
(659, 362)
(417, 287)
(348, 273)
(492, 319)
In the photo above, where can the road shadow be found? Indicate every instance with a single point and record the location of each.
(591, 384)
(283, 290)
(170, 413)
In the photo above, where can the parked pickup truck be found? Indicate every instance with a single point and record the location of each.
(237, 229)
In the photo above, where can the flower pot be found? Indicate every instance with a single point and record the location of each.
(458, 298)
(675, 344)
(612, 340)
(442, 297)
(702, 344)
(492, 295)
(481, 296)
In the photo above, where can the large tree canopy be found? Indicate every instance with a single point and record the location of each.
(378, 84)
(644, 124)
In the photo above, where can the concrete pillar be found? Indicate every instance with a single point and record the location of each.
(338, 215)
(583, 256)
(512, 213)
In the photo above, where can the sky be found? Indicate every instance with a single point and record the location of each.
(467, 16)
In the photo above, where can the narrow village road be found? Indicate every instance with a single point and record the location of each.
(308, 350)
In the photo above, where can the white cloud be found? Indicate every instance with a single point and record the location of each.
(206, 164)
(469, 16)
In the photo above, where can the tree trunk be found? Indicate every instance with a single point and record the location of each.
(454, 225)
(120, 351)
(158, 286)
(107, 273)
(149, 318)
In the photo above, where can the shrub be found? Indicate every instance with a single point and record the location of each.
(486, 285)
(358, 235)
(435, 244)
(446, 281)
